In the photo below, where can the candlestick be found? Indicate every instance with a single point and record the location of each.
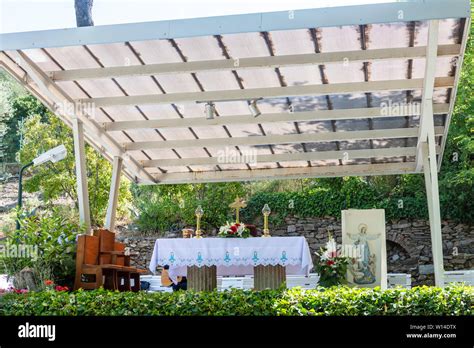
(266, 212)
(199, 213)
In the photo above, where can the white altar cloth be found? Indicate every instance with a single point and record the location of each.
(232, 256)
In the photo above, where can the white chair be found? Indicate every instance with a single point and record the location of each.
(304, 282)
(247, 283)
(462, 276)
(399, 279)
(235, 283)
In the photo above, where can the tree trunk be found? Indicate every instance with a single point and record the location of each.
(84, 13)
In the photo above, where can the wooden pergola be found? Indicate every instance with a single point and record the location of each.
(324, 92)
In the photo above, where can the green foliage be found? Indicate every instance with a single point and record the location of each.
(330, 197)
(15, 107)
(162, 208)
(457, 172)
(52, 239)
(58, 179)
(340, 301)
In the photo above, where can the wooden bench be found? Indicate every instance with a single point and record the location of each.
(90, 274)
(102, 258)
(113, 252)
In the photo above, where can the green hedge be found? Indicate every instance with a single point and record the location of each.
(456, 300)
(325, 202)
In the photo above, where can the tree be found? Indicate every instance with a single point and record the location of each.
(15, 106)
(84, 13)
(58, 179)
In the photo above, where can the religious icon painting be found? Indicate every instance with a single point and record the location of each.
(363, 242)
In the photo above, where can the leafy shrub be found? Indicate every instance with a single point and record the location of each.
(54, 236)
(344, 301)
(171, 207)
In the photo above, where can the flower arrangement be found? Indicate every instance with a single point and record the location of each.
(236, 230)
(332, 266)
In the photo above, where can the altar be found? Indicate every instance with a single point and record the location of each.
(201, 260)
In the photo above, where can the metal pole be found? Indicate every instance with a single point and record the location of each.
(20, 193)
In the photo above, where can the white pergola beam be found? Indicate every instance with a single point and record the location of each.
(286, 157)
(430, 170)
(249, 63)
(271, 92)
(320, 115)
(286, 173)
(113, 193)
(278, 139)
(16, 72)
(63, 102)
(322, 16)
(81, 175)
(429, 83)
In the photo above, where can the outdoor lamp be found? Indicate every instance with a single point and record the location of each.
(266, 211)
(199, 213)
(210, 110)
(54, 155)
(254, 110)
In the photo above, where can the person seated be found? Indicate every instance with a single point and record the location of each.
(182, 283)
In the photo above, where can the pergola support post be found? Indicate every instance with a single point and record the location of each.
(113, 194)
(81, 176)
(430, 170)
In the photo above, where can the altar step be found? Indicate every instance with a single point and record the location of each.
(292, 281)
(245, 282)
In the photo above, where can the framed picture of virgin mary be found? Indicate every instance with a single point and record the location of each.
(363, 239)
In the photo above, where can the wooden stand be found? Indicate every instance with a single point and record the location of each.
(202, 278)
(269, 277)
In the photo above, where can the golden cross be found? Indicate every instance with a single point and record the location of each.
(238, 204)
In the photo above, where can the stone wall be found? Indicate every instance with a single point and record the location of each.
(408, 244)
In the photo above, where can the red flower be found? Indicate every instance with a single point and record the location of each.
(61, 288)
(233, 229)
(237, 225)
(329, 262)
(20, 291)
(48, 282)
